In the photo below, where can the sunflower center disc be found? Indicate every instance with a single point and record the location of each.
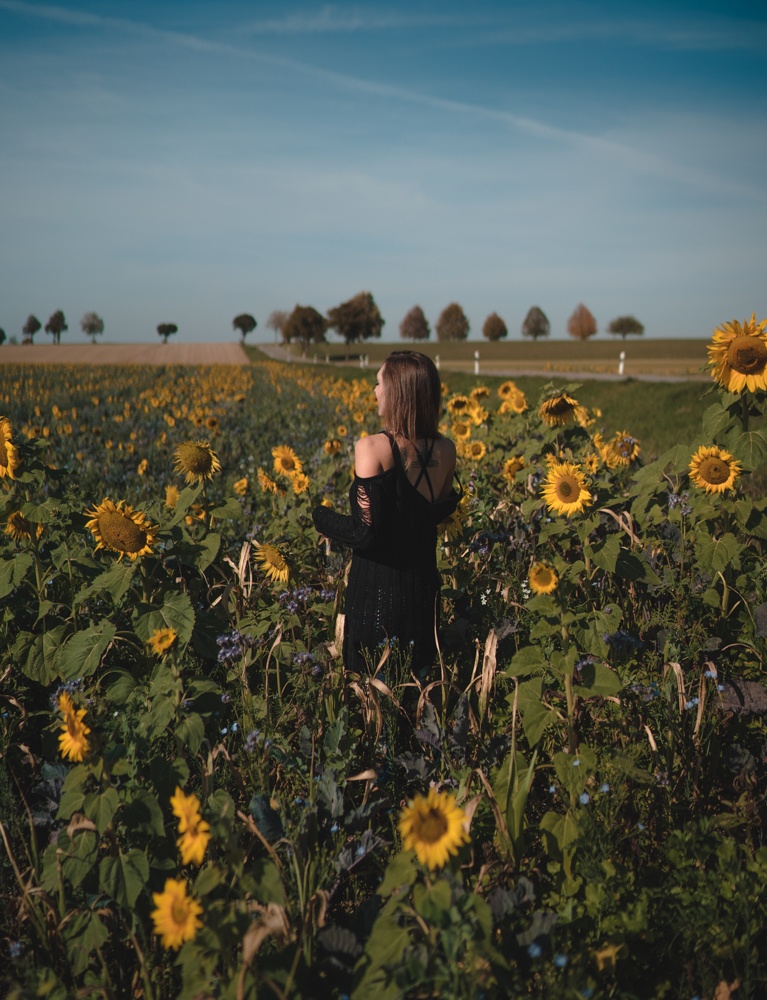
(179, 911)
(120, 533)
(434, 826)
(714, 471)
(3, 454)
(567, 489)
(747, 355)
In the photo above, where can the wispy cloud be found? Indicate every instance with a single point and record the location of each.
(334, 19)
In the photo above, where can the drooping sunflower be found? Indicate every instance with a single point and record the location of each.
(737, 355)
(197, 461)
(479, 392)
(73, 741)
(452, 527)
(507, 388)
(286, 462)
(20, 528)
(300, 483)
(120, 528)
(266, 482)
(161, 640)
(142, 467)
(332, 446)
(176, 916)
(714, 469)
(511, 467)
(559, 410)
(434, 827)
(477, 414)
(9, 454)
(272, 562)
(542, 578)
(241, 486)
(564, 489)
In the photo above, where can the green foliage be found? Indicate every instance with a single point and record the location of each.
(604, 736)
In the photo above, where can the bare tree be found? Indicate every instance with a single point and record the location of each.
(414, 326)
(245, 323)
(624, 326)
(56, 325)
(166, 330)
(494, 328)
(277, 321)
(536, 324)
(581, 324)
(452, 323)
(92, 325)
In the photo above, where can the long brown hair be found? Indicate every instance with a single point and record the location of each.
(413, 395)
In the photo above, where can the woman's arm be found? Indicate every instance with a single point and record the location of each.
(357, 529)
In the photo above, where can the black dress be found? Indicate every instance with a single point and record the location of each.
(393, 585)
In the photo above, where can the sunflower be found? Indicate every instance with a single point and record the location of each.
(341, 430)
(591, 461)
(558, 410)
(623, 448)
(20, 528)
(73, 741)
(542, 578)
(272, 562)
(714, 469)
(142, 467)
(461, 430)
(161, 640)
(9, 455)
(565, 489)
(195, 832)
(453, 525)
(197, 461)
(511, 467)
(121, 529)
(474, 450)
(506, 389)
(241, 487)
(479, 393)
(477, 414)
(458, 406)
(266, 482)
(300, 483)
(737, 355)
(171, 497)
(176, 916)
(434, 827)
(286, 462)
(332, 447)
(516, 402)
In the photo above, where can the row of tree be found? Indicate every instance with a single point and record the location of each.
(360, 319)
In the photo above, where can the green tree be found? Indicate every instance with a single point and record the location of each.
(494, 328)
(92, 325)
(30, 328)
(581, 324)
(2, 336)
(624, 326)
(166, 330)
(536, 324)
(452, 323)
(305, 325)
(245, 323)
(56, 325)
(356, 320)
(414, 326)
(277, 320)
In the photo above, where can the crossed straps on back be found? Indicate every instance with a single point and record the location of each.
(423, 464)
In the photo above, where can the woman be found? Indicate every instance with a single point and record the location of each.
(402, 489)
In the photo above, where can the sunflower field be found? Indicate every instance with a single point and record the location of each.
(197, 801)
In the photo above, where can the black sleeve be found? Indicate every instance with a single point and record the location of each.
(442, 509)
(358, 529)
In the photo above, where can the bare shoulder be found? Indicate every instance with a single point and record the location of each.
(445, 451)
(372, 455)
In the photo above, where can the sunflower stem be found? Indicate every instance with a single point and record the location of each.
(744, 412)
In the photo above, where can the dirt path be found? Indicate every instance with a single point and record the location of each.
(124, 354)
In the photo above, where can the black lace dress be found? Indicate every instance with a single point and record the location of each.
(393, 585)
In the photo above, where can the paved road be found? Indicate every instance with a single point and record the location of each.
(518, 369)
(124, 354)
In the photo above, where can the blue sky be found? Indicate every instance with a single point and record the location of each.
(184, 162)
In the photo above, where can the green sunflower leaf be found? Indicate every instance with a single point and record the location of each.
(176, 612)
(748, 447)
(83, 652)
(13, 571)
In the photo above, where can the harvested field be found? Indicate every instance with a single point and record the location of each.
(124, 354)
